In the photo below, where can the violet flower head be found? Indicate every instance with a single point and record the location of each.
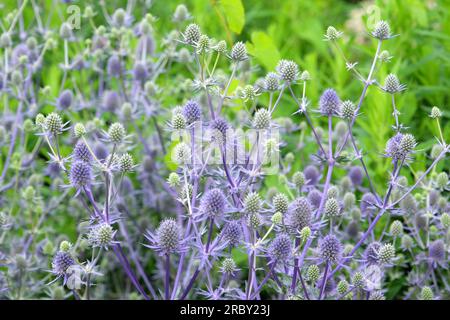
(232, 233)
(213, 203)
(311, 174)
(114, 66)
(280, 248)
(62, 261)
(356, 175)
(192, 111)
(167, 238)
(65, 99)
(81, 152)
(314, 198)
(329, 103)
(330, 248)
(436, 251)
(371, 254)
(299, 213)
(80, 174)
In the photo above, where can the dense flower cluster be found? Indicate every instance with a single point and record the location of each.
(159, 181)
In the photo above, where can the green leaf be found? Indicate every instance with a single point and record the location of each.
(264, 50)
(234, 13)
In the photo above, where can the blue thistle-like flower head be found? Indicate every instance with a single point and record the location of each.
(371, 254)
(299, 213)
(62, 261)
(356, 175)
(81, 152)
(167, 238)
(114, 66)
(80, 174)
(280, 248)
(311, 174)
(192, 111)
(436, 251)
(330, 248)
(213, 203)
(232, 233)
(65, 99)
(329, 103)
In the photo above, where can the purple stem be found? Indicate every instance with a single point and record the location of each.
(324, 280)
(167, 281)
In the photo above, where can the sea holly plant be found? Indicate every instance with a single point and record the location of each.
(117, 183)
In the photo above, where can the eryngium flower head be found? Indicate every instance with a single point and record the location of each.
(377, 295)
(330, 248)
(396, 228)
(228, 266)
(314, 197)
(178, 121)
(126, 162)
(261, 119)
(311, 174)
(181, 13)
(221, 46)
(348, 109)
(249, 92)
(280, 203)
(203, 44)
(116, 133)
(356, 175)
(140, 72)
(192, 34)
(219, 128)
(101, 235)
(299, 213)
(437, 251)
(192, 111)
(62, 261)
(288, 70)
(111, 100)
(386, 253)
(182, 154)
(392, 84)
(81, 152)
(313, 273)
(371, 254)
(392, 147)
(173, 180)
(80, 174)
(435, 113)
(53, 123)
(382, 30)
(332, 208)
(407, 145)
(332, 34)
(232, 233)
(252, 203)
(239, 52)
(329, 102)
(213, 203)
(114, 66)
(167, 238)
(272, 82)
(426, 293)
(65, 99)
(280, 248)
(79, 130)
(298, 179)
